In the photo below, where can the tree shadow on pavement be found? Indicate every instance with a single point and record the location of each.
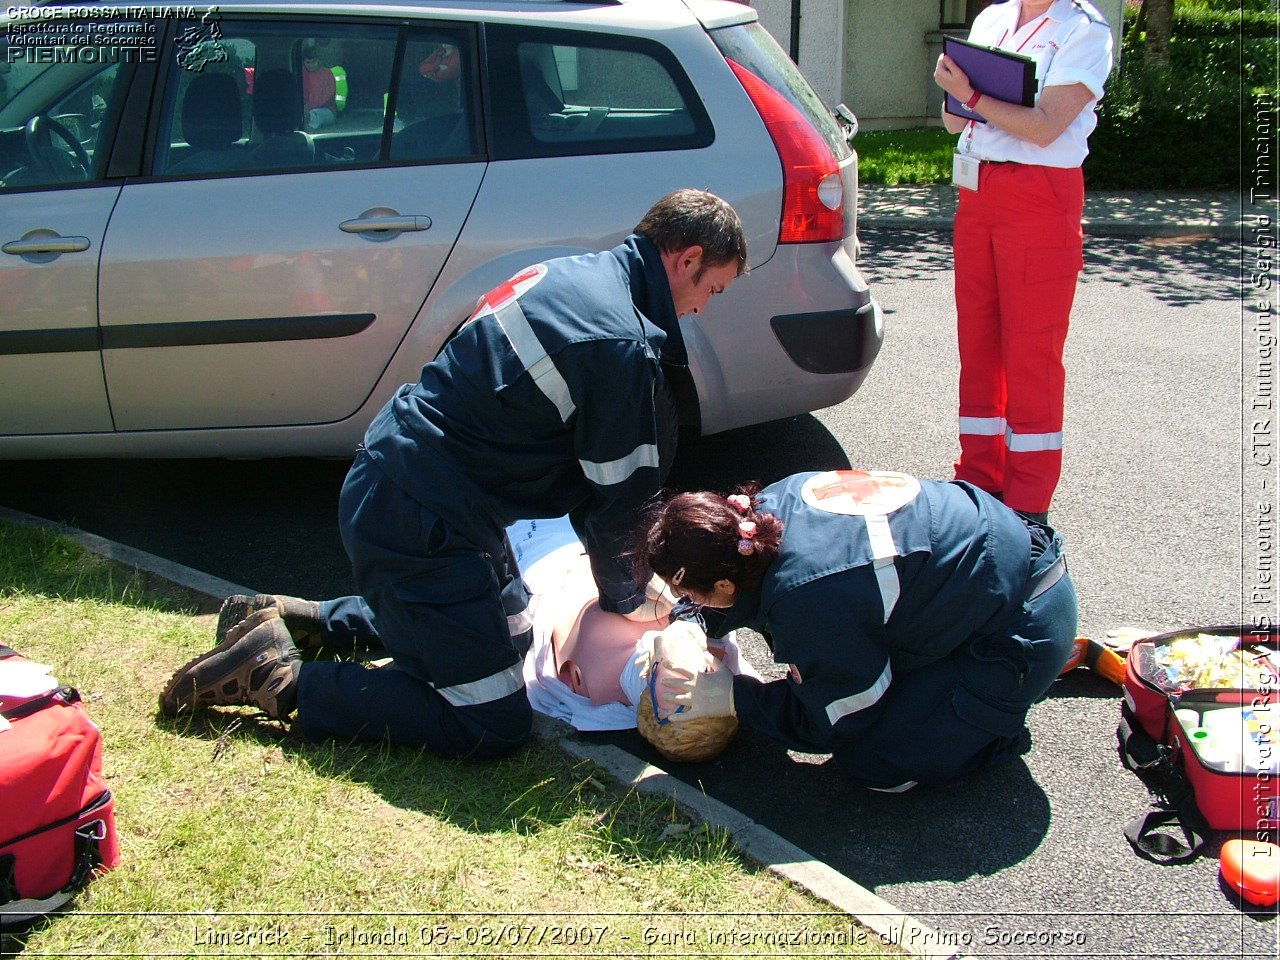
(896, 254)
(1179, 271)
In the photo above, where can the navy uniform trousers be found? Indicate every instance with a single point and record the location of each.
(452, 612)
(967, 711)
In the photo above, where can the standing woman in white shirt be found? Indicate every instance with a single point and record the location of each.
(1018, 242)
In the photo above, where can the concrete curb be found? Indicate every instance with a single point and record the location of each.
(1109, 213)
(1092, 228)
(758, 843)
(188, 577)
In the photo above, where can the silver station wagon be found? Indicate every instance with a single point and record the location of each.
(234, 230)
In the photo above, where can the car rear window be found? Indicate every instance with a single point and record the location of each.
(752, 46)
(567, 93)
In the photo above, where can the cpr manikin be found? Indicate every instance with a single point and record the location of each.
(587, 666)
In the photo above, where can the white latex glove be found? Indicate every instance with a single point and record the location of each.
(710, 694)
(658, 601)
(685, 680)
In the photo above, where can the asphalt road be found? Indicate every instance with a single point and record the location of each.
(1028, 860)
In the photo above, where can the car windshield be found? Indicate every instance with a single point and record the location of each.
(18, 75)
(752, 46)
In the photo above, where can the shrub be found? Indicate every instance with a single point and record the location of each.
(1180, 127)
(1175, 128)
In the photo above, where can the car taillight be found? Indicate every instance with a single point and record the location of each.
(812, 188)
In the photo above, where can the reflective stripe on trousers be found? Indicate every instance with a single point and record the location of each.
(1018, 252)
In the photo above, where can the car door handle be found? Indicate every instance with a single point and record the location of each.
(384, 225)
(54, 243)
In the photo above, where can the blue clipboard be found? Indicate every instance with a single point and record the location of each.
(997, 73)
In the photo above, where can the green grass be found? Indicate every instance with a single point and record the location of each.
(230, 826)
(918, 155)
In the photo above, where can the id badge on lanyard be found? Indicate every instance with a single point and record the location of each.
(964, 171)
(964, 168)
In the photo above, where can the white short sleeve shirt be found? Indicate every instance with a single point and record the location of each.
(1070, 43)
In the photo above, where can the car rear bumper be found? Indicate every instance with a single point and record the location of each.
(832, 341)
(815, 341)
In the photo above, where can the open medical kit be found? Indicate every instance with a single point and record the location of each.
(1201, 726)
(57, 817)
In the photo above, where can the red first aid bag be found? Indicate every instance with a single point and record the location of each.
(57, 817)
(1201, 725)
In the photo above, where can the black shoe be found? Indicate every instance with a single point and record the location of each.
(256, 664)
(302, 617)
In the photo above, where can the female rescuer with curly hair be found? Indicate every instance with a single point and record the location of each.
(920, 620)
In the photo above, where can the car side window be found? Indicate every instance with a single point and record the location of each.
(434, 119)
(56, 117)
(266, 97)
(566, 93)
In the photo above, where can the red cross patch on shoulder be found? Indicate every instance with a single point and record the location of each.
(510, 291)
(860, 492)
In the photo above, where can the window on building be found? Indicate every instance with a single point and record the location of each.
(959, 13)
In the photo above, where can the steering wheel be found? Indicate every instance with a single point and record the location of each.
(45, 154)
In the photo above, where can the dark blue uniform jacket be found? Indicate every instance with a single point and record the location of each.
(956, 568)
(544, 405)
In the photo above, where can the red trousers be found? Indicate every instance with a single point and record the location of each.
(1018, 250)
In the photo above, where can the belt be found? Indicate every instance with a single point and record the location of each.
(1042, 540)
(1047, 579)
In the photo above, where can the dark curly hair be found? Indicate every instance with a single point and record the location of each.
(701, 533)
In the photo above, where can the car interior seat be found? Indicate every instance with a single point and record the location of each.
(211, 124)
(444, 135)
(278, 115)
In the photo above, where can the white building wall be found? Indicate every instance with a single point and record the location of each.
(887, 60)
(821, 56)
(876, 56)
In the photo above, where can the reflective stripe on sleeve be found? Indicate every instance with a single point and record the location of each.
(520, 623)
(534, 358)
(486, 690)
(983, 426)
(616, 471)
(837, 710)
(1032, 442)
(884, 550)
(900, 788)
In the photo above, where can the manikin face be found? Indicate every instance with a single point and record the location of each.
(692, 286)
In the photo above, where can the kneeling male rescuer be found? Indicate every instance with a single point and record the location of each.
(544, 404)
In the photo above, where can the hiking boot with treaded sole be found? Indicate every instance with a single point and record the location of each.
(302, 617)
(257, 665)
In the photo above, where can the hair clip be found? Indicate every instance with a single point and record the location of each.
(677, 577)
(747, 528)
(739, 501)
